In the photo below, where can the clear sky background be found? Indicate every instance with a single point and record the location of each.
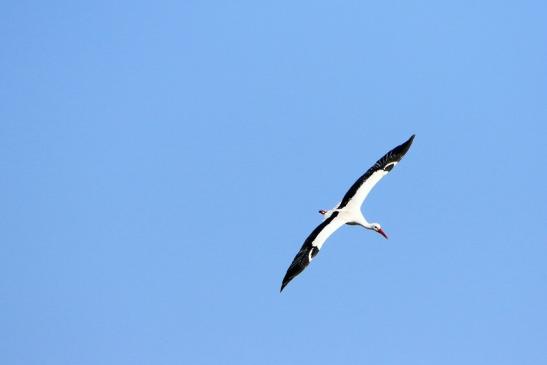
(162, 163)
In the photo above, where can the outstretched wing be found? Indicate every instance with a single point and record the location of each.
(356, 195)
(311, 246)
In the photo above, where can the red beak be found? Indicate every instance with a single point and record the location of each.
(381, 231)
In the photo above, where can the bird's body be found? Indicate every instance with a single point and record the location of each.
(348, 211)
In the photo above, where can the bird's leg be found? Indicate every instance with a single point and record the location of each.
(323, 211)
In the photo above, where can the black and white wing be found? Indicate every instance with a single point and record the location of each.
(311, 246)
(356, 195)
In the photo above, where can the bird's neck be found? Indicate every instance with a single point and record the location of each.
(361, 220)
(368, 225)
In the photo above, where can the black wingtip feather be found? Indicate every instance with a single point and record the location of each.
(297, 266)
(287, 279)
(402, 149)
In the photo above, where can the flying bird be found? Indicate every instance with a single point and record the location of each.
(348, 211)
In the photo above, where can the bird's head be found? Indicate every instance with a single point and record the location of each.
(378, 228)
(322, 212)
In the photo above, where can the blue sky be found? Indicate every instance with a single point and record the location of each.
(163, 162)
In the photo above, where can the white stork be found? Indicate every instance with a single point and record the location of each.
(348, 211)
